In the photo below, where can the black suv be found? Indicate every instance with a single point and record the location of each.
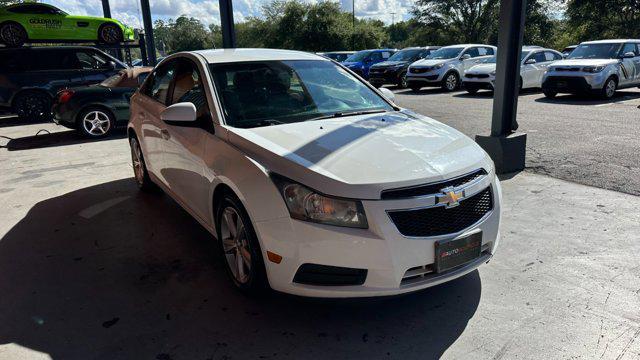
(31, 77)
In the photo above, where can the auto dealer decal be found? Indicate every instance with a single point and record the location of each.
(46, 23)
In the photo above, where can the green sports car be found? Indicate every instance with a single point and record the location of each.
(37, 22)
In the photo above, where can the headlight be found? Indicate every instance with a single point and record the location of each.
(593, 69)
(308, 205)
(493, 73)
(439, 66)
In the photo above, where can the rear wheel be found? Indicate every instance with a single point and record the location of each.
(239, 246)
(110, 34)
(13, 34)
(32, 106)
(95, 122)
(609, 88)
(451, 82)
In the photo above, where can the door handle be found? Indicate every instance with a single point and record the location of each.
(165, 134)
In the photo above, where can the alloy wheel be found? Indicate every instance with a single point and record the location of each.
(236, 245)
(451, 82)
(611, 88)
(12, 34)
(110, 34)
(137, 162)
(96, 123)
(403, 81)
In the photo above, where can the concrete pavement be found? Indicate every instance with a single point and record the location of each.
(92, 269)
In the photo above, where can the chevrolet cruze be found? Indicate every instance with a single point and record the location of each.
(312, 181)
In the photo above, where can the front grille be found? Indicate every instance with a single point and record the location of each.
(567, 69)
(439, 220)
(431, 189)
(477, 76)
(324, 275)
(419, 70)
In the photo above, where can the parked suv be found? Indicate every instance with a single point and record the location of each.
(361, 62)
(394, 70)
(313, 182)
(596, 67)
(535, 61)
(31, 77)
(446, 66)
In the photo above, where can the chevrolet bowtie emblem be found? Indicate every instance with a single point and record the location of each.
(450, 197)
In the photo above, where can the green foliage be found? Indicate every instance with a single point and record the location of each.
(183, 34)
(603, 19)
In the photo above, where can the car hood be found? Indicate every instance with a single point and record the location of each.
(390, 63)
(482, 69)
(359, 156)
(430, 62)
(585, 62)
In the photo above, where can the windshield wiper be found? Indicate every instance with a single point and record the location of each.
(271, 122)
(348, 113)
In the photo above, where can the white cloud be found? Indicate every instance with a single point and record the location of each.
(207, 11)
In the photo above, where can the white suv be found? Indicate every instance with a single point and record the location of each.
(535, 61)
(312, 180)
(446, 66)
(596, 67)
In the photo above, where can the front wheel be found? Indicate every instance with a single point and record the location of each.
(239, 246)
(140, 168)
(110, 34)
(13, 34)
(402, 81)
(609, 88)
(451, 82)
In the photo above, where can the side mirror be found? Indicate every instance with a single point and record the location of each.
(387, 94)
(465, 57)
(184, 112)
(110, 65)
(629, 54)
(530, 61)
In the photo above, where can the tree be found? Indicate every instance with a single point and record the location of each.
(183, 34)
(602, 19)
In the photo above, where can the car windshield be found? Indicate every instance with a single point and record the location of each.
(446, 53)
(359, 56)
(405, 55)
(279, 92)
(493, 59)
(596, 51)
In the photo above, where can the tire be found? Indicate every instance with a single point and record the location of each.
(95, 122)
(451, 82)
(239, 247)
(550, 94)
(402, 81)
(140, 173)
(609, 88)
(13, 34)
(32, 106)
(415, 88)
(110, 33)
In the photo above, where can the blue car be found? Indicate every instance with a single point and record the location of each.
(361, 61)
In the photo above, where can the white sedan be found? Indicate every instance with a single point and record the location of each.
(535, 62)
(313, 181)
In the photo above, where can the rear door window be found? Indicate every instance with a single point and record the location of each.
(629, 47)
(540, 57)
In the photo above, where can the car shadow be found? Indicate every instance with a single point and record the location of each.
(108, 272)
(46, 139)
(582, 100)
(426, 91)
(488, 94)
(8, 120)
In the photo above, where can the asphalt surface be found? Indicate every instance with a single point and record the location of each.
(90, 268)
(584, 140)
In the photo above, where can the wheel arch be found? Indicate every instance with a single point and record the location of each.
(25, 28)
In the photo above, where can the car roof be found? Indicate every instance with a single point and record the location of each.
(29, 3)
(46, 48)
(340, 52)
(611, 41)
(466, 45)
(421, 47)
(213, 56)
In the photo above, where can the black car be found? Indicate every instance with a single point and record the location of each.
(31, 77)
(394, 70)
(96, 110)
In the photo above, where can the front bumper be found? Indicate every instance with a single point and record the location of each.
(479, 81)
(567, 82)
(428, 78)
(387, 255)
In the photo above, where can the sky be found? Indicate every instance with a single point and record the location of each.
(207, 11)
